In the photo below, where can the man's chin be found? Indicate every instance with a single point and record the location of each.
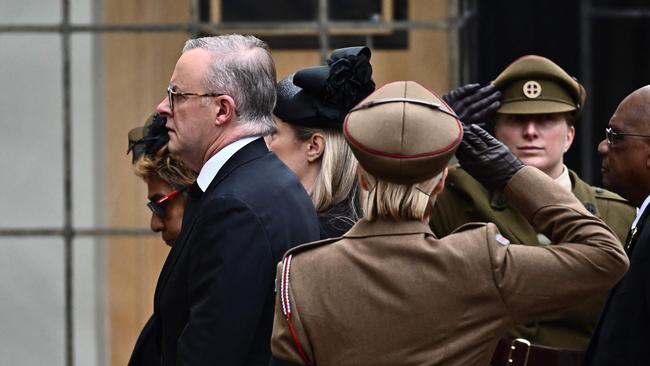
(606, 183)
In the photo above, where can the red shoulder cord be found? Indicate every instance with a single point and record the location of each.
(286, 307)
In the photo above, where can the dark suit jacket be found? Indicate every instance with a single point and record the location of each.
(215, 295)
(622, 336)
(145, 352)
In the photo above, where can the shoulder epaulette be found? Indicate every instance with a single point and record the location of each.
(602, 193)
(468, 226)
(308, 246)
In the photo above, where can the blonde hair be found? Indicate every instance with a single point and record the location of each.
(398, 202)
(164, 166)
(336, 183)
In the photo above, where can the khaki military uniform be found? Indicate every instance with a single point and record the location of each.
(466, 200)
(390, 293)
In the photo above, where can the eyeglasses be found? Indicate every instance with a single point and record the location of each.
(171, 93)
(614, 137)
(158, 206)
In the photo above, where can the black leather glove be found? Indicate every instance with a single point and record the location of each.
(472, 103)
(486, 159)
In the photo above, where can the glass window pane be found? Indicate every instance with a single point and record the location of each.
(86, 127)
(90, 317)
(81, 11)
(31, 284)
(31, 150)
(30, 12)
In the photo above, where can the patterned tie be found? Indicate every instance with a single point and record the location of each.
(631, 240)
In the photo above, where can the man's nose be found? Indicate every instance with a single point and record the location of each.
(164, 108)
(603, 147)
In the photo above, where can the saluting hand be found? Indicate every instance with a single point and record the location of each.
(486, 159)
(473, 103)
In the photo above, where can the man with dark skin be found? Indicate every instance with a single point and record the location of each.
(622, 334)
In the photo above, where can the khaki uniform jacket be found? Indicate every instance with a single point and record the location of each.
(466, 200)
(389, 293)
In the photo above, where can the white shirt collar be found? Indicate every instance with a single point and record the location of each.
(564, 180)
(211, 167)
(640, 211)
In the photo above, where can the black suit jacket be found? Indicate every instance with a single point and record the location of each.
(622, 336)
(214, 299)
(145, 352)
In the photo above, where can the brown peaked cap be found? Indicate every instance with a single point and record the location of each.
(534, 84)
(403, 133)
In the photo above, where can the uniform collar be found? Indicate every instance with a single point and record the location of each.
(564, 180)
(365, 228)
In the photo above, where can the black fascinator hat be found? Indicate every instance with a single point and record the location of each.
(148, 139)
(321, 96)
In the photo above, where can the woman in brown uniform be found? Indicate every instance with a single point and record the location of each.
(390, 293)
(537, 120)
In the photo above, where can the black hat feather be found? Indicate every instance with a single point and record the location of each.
(148, 139)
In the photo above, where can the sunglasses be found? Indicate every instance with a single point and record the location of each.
(158, 206)
(614, 137)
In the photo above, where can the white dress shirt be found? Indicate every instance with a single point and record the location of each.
(211, 167)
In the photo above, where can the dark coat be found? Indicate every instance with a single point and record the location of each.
(336, 220)
(622, 336)
(215, 295)
(145, 352)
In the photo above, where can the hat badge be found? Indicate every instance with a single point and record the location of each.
(532, 89)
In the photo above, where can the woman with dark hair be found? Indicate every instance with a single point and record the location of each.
(167, 178)
(167, 181)
(309, 113)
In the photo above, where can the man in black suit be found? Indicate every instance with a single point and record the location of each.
(622, 336)
(214, 299)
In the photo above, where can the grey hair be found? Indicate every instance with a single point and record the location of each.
(242, 67)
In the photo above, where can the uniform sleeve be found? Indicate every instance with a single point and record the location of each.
(587, 260)
(230, 284)
(283, 344)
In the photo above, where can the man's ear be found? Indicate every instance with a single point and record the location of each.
(315, 147)
(225, 109)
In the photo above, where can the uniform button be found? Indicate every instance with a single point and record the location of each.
(599, 190)
(590, 207)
